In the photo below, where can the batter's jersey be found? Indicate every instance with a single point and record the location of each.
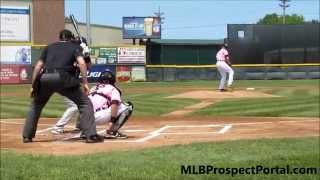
(102, 95)
(222, 54)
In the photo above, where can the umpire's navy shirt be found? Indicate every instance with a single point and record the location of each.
(61, 54)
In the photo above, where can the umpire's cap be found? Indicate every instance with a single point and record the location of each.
(66, 35)
(107, 77)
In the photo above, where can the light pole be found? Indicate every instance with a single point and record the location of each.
(284, 5)
(160, 15)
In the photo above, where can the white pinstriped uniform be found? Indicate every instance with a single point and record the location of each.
(224, 68)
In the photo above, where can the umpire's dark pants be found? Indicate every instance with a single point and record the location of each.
(87, 121)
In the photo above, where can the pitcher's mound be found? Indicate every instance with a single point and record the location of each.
(221, 95)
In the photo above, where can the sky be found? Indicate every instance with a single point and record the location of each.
(189, 19)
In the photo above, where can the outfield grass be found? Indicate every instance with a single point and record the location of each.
(165, 162)
(299, 98)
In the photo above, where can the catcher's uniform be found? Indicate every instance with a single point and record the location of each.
(224, 68)
(101, 97)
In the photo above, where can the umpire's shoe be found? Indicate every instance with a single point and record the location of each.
(27, 140)
(95, 139)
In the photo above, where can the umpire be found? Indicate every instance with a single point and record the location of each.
(55, 72)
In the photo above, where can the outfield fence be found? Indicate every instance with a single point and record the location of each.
(242, 72)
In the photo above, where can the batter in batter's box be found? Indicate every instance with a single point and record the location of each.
(108, 107)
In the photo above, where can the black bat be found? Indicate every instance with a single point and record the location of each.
(75, 25)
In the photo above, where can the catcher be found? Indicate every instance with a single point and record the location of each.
(109, 109)
(108, 105)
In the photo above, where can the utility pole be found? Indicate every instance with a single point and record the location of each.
(284, 5)
(88, 22)
(160, 15)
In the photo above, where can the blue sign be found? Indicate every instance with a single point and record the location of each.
(141, 27)
(95, 71)
(14, 11)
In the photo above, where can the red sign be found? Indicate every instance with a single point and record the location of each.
(123, 73)
(15, 74)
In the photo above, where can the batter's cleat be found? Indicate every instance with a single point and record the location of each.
(57, 130)
(27, 140)
(95, 139)
(76, 130)
(223, 90)
(115, 135)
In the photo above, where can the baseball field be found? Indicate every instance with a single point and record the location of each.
(178, 130)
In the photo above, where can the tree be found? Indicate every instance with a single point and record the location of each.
(277, 19)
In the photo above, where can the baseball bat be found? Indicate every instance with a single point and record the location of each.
(75, 25)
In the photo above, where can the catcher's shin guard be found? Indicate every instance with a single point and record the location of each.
(122, 118)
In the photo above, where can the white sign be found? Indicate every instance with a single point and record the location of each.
(15, 23)
(129, 55)
(15, 55)
(138, 73)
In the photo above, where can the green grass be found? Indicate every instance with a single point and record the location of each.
(299, 98)
(165, 162)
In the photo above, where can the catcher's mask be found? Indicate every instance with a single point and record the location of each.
(107, 77)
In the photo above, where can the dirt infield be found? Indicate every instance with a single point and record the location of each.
(155, 132)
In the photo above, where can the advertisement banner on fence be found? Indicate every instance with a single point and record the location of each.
(15, 55)
(138, 73)
(132, 55)
(108, 54)
(123, 73)
(15, 74)
(15, 23)
(96, 70)
(141, 27)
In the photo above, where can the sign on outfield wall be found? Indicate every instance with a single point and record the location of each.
(15, 74)
(141, 27)
(15, 23)
(138, 73)
(15, 55)
(107, 55)
(132, 55)
(96, 70)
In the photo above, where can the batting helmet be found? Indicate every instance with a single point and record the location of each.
(107, 77)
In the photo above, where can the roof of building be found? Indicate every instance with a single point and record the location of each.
(67, 20)
(187, 41)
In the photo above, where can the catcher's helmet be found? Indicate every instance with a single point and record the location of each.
(107, 77)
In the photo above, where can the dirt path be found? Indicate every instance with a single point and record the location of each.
(160, 131)
(208, 98)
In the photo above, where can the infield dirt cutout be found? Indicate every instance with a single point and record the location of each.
(173, 128)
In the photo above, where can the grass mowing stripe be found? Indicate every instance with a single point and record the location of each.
(230, 105)
(231, 108)
(275, 111)
(267, 111)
